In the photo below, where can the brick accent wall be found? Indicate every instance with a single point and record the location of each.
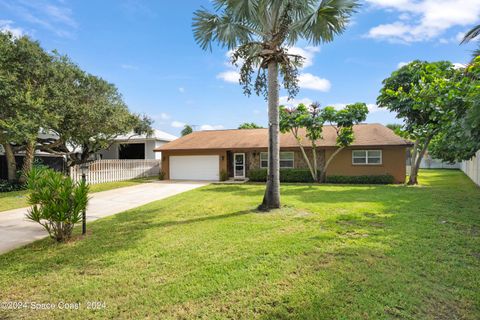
(253, 158)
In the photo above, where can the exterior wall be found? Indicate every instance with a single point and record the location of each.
(112, 152)
(472, 168)
(166, 158)
(253, 158)
(393, 163)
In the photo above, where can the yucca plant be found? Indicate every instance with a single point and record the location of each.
(57, 202)
(259, 33)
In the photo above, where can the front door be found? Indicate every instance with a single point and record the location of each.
(239, 165)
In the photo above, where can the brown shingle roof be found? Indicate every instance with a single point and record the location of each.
(365, 135)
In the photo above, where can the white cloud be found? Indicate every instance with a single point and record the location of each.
(459, 36)
(211, 127)
(308, 53)
(402, 64)
(164, 116)
(423, 20)
(181, 89)
(309, 81)
(293, 103)
(177, 124)
(57, 18)
(128, 67)
(232, 74)
(458, 65)
(229, 76)
(372, 107)
(6, 26)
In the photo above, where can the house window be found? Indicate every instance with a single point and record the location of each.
(367, 157)
(286, 160)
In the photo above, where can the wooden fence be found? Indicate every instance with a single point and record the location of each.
(100, 171)
(472, 168)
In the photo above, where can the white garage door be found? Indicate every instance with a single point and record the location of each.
(194, 167)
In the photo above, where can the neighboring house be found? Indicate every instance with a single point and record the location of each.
(202, 155)
(136, 146)
(53, 161)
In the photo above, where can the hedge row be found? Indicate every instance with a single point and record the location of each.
(6, 186)
(286, 175)
(381, 179)
(303, 175)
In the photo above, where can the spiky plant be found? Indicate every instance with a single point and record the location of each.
(259, 33)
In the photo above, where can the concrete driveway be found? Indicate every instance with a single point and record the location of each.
(16, 231)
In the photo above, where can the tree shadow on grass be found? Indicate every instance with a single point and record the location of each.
(120, 232)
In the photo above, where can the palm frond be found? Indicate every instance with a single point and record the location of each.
(470, 35)
(330, 18)
(224, 29)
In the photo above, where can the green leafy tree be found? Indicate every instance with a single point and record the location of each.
(24, 77)
(259, 33)
(460, 138)
(398, 130)
(309, 122)
(187, 129)
(420, 94)
(91, 114)
(249, 125)
(43, 92)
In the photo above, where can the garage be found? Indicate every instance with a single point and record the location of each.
(194, 168)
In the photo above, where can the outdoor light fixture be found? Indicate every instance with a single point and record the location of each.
(84, 171)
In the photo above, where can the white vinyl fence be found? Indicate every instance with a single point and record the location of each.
(100, 171)
(472, 168)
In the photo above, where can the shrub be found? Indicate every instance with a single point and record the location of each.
(379, 179)
(161, 175)
(6, 186)
(257, 175)
(57, 202)
(223, 175)
(286, 175)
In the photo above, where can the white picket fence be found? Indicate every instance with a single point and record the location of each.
(472, 168)
(100, 171)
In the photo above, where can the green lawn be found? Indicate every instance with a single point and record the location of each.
(18, 199)
(332, 252)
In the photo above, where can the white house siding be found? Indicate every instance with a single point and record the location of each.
(472, 168)
(158, 155)
(149, 146)
(110, 153)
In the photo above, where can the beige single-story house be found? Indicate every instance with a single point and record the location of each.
(203, 155)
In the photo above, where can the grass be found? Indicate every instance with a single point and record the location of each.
(18, 199)
(332, 252)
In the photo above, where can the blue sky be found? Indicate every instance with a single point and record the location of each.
(146, 49)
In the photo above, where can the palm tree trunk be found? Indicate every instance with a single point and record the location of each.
(11, 163)
(315, 168)
(27, 161)
(271, 199)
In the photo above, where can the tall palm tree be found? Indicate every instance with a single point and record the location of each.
(469, 36)
(259, 33)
